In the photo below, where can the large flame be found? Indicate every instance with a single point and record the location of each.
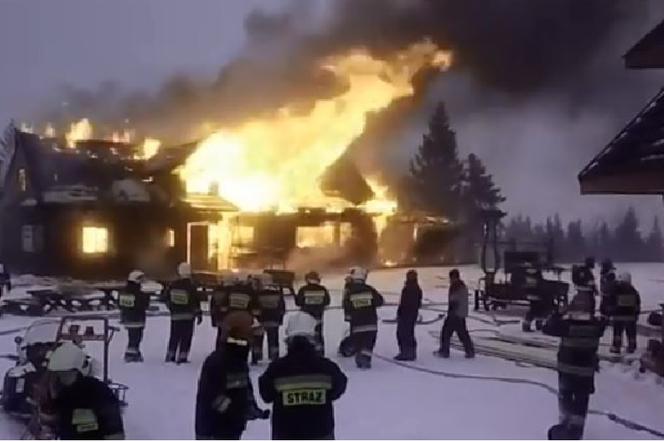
(275, 163)
(80, 130)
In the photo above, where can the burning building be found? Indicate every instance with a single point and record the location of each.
(272, 190)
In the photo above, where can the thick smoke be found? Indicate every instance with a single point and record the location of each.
(532, 79)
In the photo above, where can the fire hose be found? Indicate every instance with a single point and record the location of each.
(627, 423)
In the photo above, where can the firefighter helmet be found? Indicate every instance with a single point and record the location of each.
(300, 324)
(69, 356)
(136, 276)
(237, 326)
(625, 277)
(358, 274)
(184, 270)
(312, 277)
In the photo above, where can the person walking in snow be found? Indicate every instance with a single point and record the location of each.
(407, 312)
(313, 298)
(455, 322)
(223, 397)
(302, 385)
(360, 303)
(133, 303)
(580, 332)
(272, 310)
(584, 284)
(606, 280)
(185, 307)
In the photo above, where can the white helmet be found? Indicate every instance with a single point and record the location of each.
(359, 274)
(136, 276)
(625, 277)
(184, 270)
(301, 324)
(69, 356)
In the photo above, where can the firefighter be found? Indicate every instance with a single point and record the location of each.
(584, 284)
(407, 312)
(272, 309)
(606, 280)
(133, 305)
(302, 385)
(185, 307)
(222, 401)
(455, 322)
(532, 287)
(5, 282)
(313, 298)
(580, 332)
(622, 306)
(82, 406)
(360, 303)
(219, 304)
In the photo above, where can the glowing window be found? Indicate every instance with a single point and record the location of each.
(95, 240)
(170, 238)
(316, 236)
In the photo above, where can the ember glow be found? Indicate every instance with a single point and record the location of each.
(274, 164)
(149, 148)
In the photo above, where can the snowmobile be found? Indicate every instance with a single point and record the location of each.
(23, 386)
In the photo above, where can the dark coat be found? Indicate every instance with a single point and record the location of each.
(360, 303)
(410, 302)
(457, 300)
(183, 301)
(622, 303)
(577, 353)
(133, 304)
(302, 385)
(239, 297)
(313, 299)
(222, 399)
(272, 307)
(88, 409)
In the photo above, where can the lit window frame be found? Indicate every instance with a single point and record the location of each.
(98, 245)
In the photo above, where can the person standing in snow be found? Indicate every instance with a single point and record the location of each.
(272, 310)
(222, 400)
(360, 304)
(537, 308)
(407, 312)
(5, 282)
(622, 306)
(302, 385)
(606, 280)
(313, 298)
(455, 322)
(81, 406)
(580, 332)
(185, 307)
(584, 284)
(133, 303)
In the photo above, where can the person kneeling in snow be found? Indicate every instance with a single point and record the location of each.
(83, 406)
(223, 398)
(302, 385)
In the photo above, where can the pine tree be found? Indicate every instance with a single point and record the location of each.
(628, 243)
(654, 243)
(604, 242)
(436, 170)
(479, 191)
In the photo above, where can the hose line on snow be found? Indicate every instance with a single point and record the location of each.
(611, 416)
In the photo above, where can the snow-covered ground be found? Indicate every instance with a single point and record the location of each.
(390, 401)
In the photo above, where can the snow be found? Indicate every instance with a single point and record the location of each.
(389, 401)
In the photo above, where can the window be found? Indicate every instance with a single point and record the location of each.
(32, 238)
(170, 238)
(22, 180)
(95, 240)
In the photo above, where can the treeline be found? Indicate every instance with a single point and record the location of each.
(626, 242)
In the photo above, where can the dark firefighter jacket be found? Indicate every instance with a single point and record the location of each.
(5, 282)
(410, 302)
(458, 300)
(302, 385)
(577, 352)
(239, 297)
(88, 409)
(217, 313)
(183, 301)
(622, 303)
(532, 284)
(360, 303)
(133, 305)
(584, 280)
(606, 280)
(313, 299)
(272, 307)
(222, 399)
